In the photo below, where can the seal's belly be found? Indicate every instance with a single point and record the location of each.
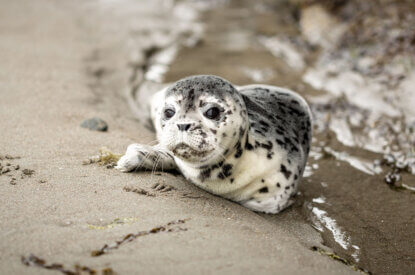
(248, 175)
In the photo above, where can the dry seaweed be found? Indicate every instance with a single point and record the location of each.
(105, 158)
(339, 259)
(138, 190)
(130, 237)
(33, 260)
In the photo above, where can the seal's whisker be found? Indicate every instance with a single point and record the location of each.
(143, 161)
(153, 170)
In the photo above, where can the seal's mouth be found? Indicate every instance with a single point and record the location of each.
(186, 151)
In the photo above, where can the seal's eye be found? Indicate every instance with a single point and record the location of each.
(169, 113)
(212, 113)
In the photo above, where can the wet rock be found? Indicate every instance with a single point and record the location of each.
(95, 124)
(392, 178)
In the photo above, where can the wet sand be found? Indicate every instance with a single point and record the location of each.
(63, 62)
(367, 222)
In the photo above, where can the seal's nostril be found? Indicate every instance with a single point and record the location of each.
(184, 127)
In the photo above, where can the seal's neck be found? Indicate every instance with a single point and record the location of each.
(230, 155)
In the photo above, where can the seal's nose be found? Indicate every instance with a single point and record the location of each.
(184, 127)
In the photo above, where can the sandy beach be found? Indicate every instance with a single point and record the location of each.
(66, 61)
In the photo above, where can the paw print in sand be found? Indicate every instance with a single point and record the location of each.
(162, 187)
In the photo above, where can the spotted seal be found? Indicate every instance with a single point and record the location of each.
(248, 144)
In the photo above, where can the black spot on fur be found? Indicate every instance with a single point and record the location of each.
(201, 103)
(278, 185)
(204, 174)
(263, 123)
(218, 165)
(294, 148)
(248, 146)
(263, 190)
(226, 171)
(239, 151)
(284, 170)
(267, 146)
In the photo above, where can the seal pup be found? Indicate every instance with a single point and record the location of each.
(248, 144)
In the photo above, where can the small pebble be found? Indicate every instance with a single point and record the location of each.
(95, 124)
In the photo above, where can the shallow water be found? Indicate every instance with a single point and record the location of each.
(344, 194)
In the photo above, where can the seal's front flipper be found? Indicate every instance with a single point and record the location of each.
(144, 157)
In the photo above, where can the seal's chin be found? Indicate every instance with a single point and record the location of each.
(186, 152)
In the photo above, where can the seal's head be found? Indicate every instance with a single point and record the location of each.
(203, 119)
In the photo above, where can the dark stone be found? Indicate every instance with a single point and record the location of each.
(95, 124)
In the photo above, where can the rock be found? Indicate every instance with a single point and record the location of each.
(320, 27)
(95, 124)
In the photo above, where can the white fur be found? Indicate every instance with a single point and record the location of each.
(250, 172)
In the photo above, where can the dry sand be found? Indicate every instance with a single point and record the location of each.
(65, 210)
